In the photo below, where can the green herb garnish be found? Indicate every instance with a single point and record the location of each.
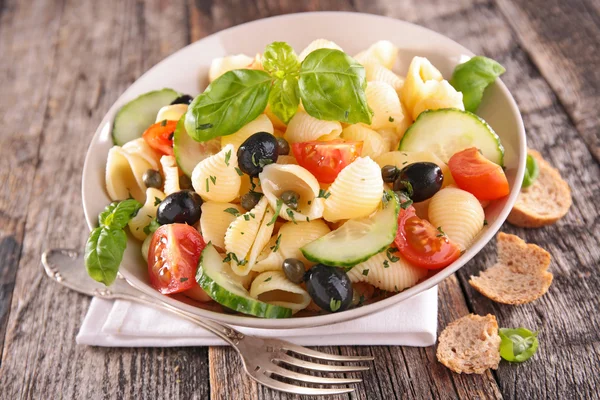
(233, 211)
(324, 194)
(157, 201)
(277, 241)
(532, 170)
(227, 157)
(472, 77)
(334, 304)
(518, 344)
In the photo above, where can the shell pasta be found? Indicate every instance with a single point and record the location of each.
(300, 179)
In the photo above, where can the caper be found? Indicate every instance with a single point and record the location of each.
(290, 198)
(185, 182)
(250, 200)
(389, 173)
(294, 270)
(283, 147)
(153, 179)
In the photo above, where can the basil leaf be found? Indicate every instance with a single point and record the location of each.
(472, 77)
(517, 345)
(284, 98)
(531, 171)
(117, 215)
(332, 87)
(228, 103)
(104, 252)
(280, 60)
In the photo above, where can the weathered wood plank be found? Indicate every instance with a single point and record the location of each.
(98, 49)
(562, 38)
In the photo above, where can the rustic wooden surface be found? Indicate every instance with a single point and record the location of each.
(64, 62)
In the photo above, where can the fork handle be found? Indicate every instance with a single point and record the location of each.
(125, 290)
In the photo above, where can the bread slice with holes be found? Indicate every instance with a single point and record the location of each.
(470, 345)
(544, 202)
(519, 276)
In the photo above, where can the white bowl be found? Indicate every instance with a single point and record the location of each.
(187, 69)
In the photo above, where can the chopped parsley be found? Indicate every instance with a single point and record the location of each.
(276, 247)
(406, 204)
(207, 188)
(157, 201)
(239, 171)
(277, 211)
(485, 222)
(441, 232)
(290, 214)
(183, 279)
(252, 215)
(334, 304)
(391, 119)
(247, 217)
(268, 279)
(163, 122)
(390, 254)
(233, 211)
(386, 264)
(365, 272)
(213, 179)
(232, 256)
(324, 194)
(263, 162)
(227, 157)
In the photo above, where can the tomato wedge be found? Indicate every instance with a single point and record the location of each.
(173, 258)
(160, 136)
(421, 243)
(325, 160)
(478, 175)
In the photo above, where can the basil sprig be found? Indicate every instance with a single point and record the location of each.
(532, 170)
(517, 345)
(472, 77)
(330, 83)
(105, 247)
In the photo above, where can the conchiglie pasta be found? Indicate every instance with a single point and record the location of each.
(247, 186)
(458, 213)
(383, 52)
(214, 221)
(171, 112)
(373, 143)
(377, 72)
(221, 65)
(356, 192)
(384, 101)
(171, 174)
(277, 178)
(141, 148)
(145, 214)
(316, 45)
(270, 258)
(215, 178)
(421, 79)
(443, 96)
(304, 128)
(274, 288)
(260, 124)
(390, 139)
(294, 236)
(262, 237)
(384, 274)
(241, 233)
(401, 159)
(124, 174)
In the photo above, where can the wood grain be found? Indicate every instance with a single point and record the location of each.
(66, 61)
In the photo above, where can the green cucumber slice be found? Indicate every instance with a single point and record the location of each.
(227, 291)
(358, 239)
(137, 115)
(188, 152)
(448, 131)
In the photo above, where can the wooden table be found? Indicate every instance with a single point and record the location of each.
(64, 62)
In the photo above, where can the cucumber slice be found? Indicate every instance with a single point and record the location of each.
(213, 277)
(188, 152)
(358, 239)
(137, 115)
(448, 131)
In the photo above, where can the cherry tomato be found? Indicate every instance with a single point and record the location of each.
(160, 136)
(478, 175)
(173, 258)
(325, 160)
(421, 243)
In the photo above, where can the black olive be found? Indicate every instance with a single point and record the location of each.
(290, 199)
(185, 182)
(183, 99)
(420, 180)
(294, 270)
(329, 287)
(250, 200)
(153, 179)
(283, 147)
(180, 207)
(257, 151)
(389, 173)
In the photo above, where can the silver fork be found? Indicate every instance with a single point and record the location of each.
(263, 359)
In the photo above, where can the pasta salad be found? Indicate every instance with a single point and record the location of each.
(311, 182)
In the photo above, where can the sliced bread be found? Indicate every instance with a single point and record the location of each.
(519, 276)
(544, 202)
(470, 345)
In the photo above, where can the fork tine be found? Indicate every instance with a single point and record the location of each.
(286, 373)
(286, 387)
(287, 359)
(323, 356)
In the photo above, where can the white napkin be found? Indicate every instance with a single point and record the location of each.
(125, 324)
